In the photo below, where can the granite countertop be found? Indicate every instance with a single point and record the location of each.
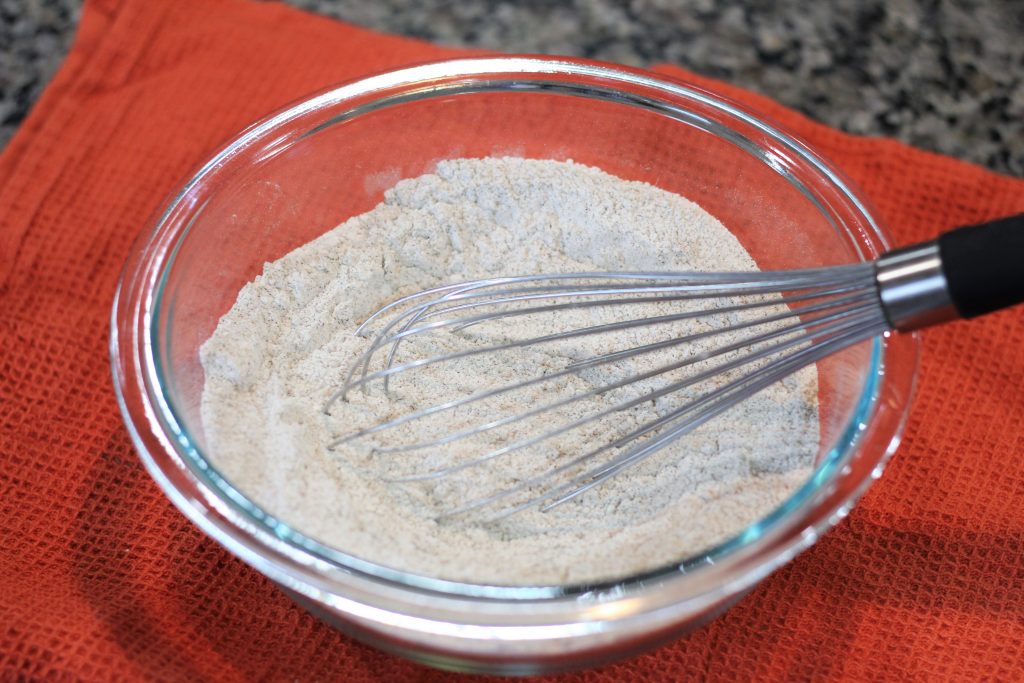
(943, 75)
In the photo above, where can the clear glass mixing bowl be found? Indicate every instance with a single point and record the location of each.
(304, 170)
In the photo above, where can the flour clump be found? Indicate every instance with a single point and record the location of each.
(287, 343)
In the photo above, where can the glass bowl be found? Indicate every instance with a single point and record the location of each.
(304, 170)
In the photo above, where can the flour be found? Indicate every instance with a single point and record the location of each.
(288, 341)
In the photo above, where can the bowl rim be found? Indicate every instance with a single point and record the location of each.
(163, 445)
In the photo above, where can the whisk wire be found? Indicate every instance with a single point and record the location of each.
(723, 350)
(735, 284)
(806, 277)
(841, 308)
(391, 369)
(720, 401)
(746, 386)
(833, 308)
(686, 286)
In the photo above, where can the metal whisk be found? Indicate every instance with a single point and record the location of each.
(784, 321)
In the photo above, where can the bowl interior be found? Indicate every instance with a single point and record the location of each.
(289, 182)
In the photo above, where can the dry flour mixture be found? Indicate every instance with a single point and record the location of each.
(288, 341)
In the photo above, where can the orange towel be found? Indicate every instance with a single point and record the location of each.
(102, 579)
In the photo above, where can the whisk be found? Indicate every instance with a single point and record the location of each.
(784, 321)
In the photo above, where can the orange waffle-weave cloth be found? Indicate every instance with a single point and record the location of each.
(102, 579)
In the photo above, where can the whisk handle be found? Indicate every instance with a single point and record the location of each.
(984, 265)
(965, 273)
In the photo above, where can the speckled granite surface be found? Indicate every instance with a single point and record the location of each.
(944, 75)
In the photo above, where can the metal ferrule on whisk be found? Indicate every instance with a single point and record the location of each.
(913, 288)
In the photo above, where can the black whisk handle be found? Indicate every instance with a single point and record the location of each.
(984, 265)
